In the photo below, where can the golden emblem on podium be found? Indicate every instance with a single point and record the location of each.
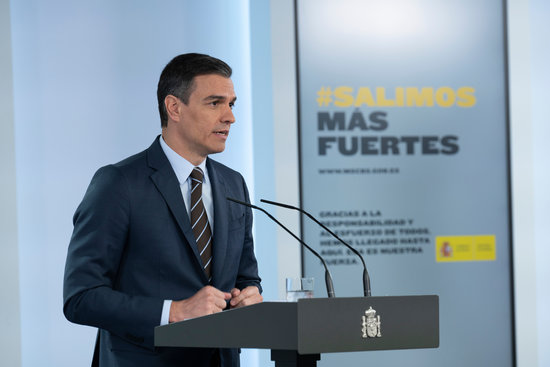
(371, 326)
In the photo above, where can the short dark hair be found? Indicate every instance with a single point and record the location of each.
(177, 78)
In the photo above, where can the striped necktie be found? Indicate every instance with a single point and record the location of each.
(199, 221)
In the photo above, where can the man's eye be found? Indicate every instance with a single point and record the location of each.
(231, 105)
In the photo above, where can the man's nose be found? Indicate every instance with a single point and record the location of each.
(228, 116)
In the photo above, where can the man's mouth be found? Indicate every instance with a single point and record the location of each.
(222, 132)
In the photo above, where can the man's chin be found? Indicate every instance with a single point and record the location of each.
(217, 149)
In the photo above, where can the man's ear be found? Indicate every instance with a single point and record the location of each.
(173, 106)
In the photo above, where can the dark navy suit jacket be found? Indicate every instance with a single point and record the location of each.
(132, 248)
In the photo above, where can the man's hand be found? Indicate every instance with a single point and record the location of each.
(248, 296)
(207, 301)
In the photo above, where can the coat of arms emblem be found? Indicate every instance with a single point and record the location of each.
(371, 324)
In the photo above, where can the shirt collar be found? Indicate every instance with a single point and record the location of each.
(181, 166)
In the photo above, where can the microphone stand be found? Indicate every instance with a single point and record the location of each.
(328, 277)
(366, 278)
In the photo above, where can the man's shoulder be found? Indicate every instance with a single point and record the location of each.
(130, 168)
(127, 169)
(152, 157)
(136, 160)
(222, 170)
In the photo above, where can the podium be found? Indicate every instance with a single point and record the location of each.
(299, 332)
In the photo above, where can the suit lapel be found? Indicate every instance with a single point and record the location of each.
(221, 222)
(168, 185)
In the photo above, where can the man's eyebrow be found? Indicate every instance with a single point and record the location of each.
(218, 98)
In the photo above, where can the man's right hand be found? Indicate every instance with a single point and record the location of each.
(207, 301)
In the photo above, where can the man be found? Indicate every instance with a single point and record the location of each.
(155, 240)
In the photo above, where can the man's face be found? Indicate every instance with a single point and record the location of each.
(204, 122)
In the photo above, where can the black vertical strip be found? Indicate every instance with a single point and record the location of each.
(509, 182)
(299, 126)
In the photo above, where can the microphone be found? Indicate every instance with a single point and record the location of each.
(328, 278)
(366, 278)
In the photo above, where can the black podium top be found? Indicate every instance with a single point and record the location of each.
(311, 326)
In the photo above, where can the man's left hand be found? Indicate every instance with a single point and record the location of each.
(246, 297)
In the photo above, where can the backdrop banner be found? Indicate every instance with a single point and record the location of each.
(404, 154)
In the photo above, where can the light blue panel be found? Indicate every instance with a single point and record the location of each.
(540, 80)
(85, 76)
(221, 28)
(263, 145)
(262, 112)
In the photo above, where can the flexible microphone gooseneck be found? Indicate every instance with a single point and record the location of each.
(366, 278)
(328, 278)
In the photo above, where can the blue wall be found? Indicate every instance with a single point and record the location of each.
(85, 76)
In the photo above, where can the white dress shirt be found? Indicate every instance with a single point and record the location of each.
(183, 168)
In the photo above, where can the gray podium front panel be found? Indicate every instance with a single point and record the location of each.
(335, 326)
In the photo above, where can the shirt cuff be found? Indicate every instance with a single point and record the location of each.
(165, 316)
